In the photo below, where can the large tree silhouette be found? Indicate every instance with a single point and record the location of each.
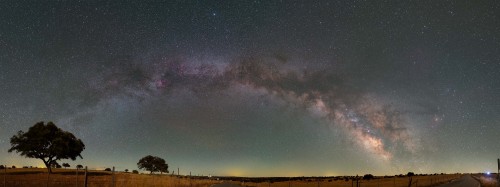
(48, 143)
(153, 164)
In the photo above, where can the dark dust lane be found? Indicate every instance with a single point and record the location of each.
(465, 181)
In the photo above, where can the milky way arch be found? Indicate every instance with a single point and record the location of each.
(329, 94)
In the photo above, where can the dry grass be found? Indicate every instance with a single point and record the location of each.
(420, 181)
(67, 177)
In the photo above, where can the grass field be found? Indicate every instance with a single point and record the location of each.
(24, 177)
(417, 181)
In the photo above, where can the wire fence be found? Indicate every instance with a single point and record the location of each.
(25, 177)
(391, 181)
(70, 178)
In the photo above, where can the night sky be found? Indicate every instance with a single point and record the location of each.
(258, 88)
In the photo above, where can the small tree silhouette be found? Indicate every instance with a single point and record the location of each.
(13, 167)
(135, 171)
(66, 165)
(2, 167)
(79, 166)
(107, 169)
(368, 177)
(126, 170)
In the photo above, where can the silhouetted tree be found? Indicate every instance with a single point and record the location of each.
(66, 165)
(126, 170)
(107, 169)
(135, 171)
(79, 166)
(410, 174)
(153, 164)
(2, 167)
(48, 143)
(13, 167)
(368, 177)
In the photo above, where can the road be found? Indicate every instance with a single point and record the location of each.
(224, 184)
(465, 181)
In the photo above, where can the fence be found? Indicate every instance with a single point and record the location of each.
(70, 178)
(417, 181)
(24, 177)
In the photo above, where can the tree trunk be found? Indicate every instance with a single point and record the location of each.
(47, 164)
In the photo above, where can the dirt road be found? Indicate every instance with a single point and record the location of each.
(465, 181)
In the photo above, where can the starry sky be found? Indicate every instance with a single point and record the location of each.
(258, 88)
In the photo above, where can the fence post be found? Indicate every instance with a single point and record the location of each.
(498, 172)
(85, 178)
(48, 176)
(4, 175)
(77, 176)
(113, 177)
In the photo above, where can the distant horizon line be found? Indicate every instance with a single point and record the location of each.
(235, 176)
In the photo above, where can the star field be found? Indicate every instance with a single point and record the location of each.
(258, 88)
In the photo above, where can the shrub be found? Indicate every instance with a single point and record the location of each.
(107, 169)
(135, 171)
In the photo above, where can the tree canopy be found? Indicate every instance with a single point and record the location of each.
(153, 164)
(48, 143)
